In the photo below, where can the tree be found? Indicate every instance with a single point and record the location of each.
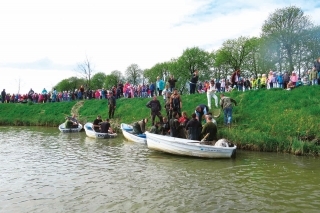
(233, 54)
(70, 84)
(111, 80)
(98, 80)
(285, 27)
(160, 69)
(86, 70)
(190, 60)
(118, 75)
(195, 58)
(133, 73)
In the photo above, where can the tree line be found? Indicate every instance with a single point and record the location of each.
(289, 41)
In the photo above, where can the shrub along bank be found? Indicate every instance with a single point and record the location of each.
(264, 120)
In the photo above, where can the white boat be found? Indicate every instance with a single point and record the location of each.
(88, 128)
(63, 128)
(179, 146)
(127, 132)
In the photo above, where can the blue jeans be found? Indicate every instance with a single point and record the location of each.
(227, 115)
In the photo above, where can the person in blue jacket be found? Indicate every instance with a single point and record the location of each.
(160, 85)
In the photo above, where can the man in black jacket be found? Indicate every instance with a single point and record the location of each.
(172, 82)
(3, 95)
(194, 128)
(155, 107)
(193, 82)
(112, 105)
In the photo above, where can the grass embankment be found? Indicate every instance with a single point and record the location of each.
(264, 120)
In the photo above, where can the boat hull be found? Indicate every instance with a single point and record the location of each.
(69, 130)
(178, 146)
(93, 134)
(127, 133)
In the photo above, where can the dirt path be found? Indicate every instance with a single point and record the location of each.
(75, 109)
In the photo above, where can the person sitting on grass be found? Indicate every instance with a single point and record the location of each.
(290, 85)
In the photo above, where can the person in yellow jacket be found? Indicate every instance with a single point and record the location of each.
(254, 83)
(263, 81)
(258, 80)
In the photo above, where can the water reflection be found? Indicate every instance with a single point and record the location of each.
(43, 170)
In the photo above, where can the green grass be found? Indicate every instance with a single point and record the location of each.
(264, 120)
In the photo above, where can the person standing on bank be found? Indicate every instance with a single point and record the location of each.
(175, 102)
(112, 105)
(200, 111)
(226, 105)
(172, 83)
(193, 82)
(316, 66)
(155, 107)
(235, 78)
(211, 92)
(3, 96)
(160, 85)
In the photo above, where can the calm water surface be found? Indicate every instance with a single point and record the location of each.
(43, 170)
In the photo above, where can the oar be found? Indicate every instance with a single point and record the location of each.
(205, 137)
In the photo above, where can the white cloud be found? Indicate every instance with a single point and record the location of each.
(114, 34)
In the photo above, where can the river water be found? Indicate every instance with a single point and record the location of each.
(43, 170)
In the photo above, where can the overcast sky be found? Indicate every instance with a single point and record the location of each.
(41, 42)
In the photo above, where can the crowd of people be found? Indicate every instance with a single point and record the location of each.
(179, 124)
(176, 122)
(160, 87)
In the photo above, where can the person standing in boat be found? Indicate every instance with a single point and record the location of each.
(96, 123)
(174, 125)
(209, 130)
(194, 128)
(155, 107)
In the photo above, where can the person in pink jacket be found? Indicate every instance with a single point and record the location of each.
(270, 77)
(294, 78)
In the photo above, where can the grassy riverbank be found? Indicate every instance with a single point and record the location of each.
(264, 120)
